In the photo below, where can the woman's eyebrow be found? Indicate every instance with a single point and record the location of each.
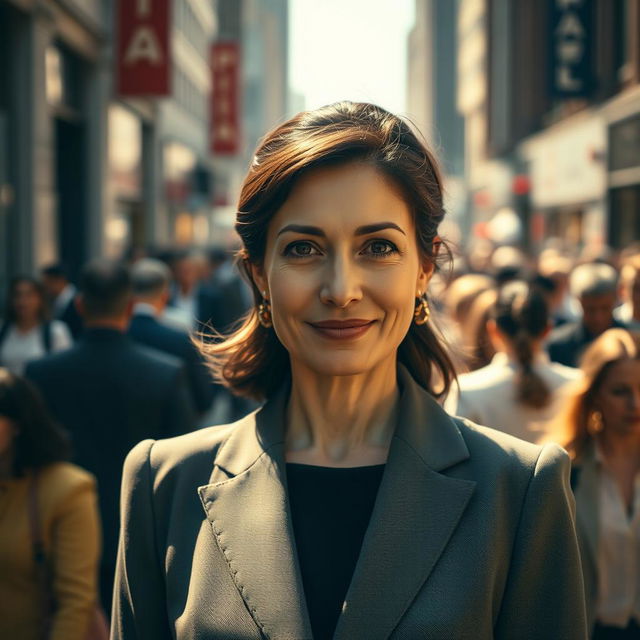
(379, 226)
(302, 228)
(360, 231)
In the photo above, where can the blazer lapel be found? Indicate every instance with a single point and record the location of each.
(247, 506)
(416, 512)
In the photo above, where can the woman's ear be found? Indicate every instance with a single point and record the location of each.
(424, 275)
(259, 278)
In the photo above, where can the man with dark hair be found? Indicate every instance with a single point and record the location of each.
(594, 285)
(151, 289)
(62, 295)
(110, 393)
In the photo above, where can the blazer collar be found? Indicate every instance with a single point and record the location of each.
(416, 511)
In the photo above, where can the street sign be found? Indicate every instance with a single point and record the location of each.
(143, 54)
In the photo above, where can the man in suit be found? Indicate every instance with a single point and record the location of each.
(62, 294)
(594, 285)
(151, 288)
(193, 302)
(111, 393)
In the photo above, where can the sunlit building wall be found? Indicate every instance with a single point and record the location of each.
(185, 173)
(53, 98)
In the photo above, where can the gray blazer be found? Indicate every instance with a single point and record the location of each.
(472, 536)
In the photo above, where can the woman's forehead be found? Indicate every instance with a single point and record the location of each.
(345, 197)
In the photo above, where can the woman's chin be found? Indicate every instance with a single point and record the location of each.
(340, 363)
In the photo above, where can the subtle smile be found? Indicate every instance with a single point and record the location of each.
(342, 329)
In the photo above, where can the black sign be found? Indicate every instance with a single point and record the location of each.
(571, 38)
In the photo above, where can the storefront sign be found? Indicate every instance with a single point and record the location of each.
(571, 41)
(567, 164)
(144, 57)
(225, 98)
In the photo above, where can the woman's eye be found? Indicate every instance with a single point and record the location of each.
(300, 250)
(381, 248)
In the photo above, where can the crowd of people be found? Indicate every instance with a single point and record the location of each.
(546, 350)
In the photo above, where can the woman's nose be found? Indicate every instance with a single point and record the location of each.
(342, 284)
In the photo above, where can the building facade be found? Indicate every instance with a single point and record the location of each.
(87, 171)
(551, 98)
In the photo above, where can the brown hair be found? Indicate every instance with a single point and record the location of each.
(479, 349)
(252, 361)
(521, 314)
(570, 429)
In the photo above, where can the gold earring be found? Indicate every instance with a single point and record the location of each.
(595, 423)
(264, 314)
(422, 312)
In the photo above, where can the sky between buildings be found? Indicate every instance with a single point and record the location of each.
(350, 49)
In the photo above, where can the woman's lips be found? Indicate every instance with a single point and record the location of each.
(342, 329)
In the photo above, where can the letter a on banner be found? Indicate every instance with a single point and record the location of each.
(144, 57)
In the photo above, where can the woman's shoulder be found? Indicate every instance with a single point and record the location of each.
(59, 480)
(187, 449)
(492, 375)
(493, 448)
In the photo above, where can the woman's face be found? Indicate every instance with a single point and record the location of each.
(342, 270)
(27, 303)
(619, 398)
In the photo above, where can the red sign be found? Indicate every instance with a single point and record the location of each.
(144, 57)
(225, 98)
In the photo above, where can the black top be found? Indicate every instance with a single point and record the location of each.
(330, 508)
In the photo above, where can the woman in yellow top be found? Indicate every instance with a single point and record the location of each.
(33, 448)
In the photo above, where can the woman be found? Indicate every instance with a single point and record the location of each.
(350, 505)
(520, 390)
(26, 333)
(49, 529)
(601, 431)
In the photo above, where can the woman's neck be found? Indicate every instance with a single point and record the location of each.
(341, 421)
(621, 447)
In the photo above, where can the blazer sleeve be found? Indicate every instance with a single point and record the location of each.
(139, 608)
(75, 552)
(544, 595)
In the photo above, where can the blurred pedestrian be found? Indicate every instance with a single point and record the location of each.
(110, 393)
(600, 428)
(192, 302)
(478, 347)
(350, 505)
(27, 333)
(151, 290)
(520, 390)
(62, 297)
(629, 311)
(557, 267)
(49, 526)
(595, 286)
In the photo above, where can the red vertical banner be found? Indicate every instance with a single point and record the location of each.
(225, 98)
(144, 55)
